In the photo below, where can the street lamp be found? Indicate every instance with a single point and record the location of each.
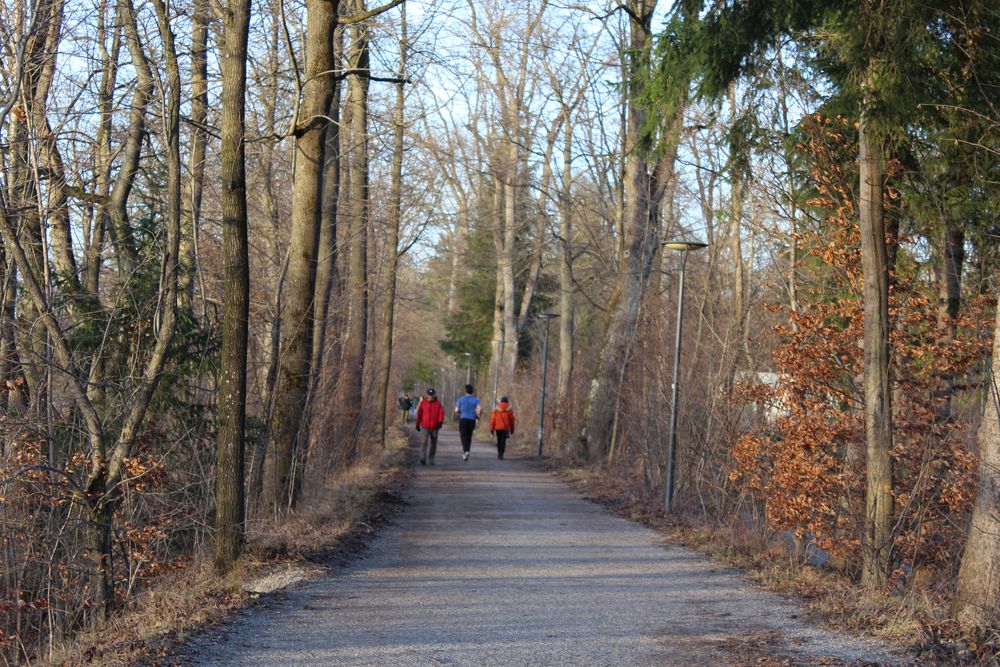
(468, 371)
(496, 377)
(684, 247)
(545, 371)
(443, 386)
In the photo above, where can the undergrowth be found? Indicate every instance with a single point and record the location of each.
(334, 526)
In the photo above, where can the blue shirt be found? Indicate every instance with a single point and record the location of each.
(466, 407)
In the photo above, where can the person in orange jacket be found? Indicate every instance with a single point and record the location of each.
(430, 418)
(502, 425)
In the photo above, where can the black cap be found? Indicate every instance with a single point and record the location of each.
(504, 399)
(430, 391)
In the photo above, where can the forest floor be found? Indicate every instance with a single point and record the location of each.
(499, 563)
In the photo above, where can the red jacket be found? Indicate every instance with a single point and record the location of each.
(502, 418)
(430, 414)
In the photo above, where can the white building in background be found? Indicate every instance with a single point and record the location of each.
(773, 409)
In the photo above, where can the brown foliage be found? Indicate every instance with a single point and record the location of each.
(807, 471)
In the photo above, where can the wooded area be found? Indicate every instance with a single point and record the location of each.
(234, 232)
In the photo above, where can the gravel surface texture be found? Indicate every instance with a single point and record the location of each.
(498, 563)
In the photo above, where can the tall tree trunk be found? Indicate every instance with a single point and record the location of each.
(567, 304)
(327, 259)
(949, 303)
(269, 205)
(14, 399)
(229, 460)
(791, 193)
(355, 342)
(328, 278)
(736, 205)
(392, 243)
(25, 219)
(877, 546)
(50, 162)
(499, 341)
(291, 388)
(196, 152)
(642, 198)
(978, 596)
(102, 149)
(120, 228)
(506, 256)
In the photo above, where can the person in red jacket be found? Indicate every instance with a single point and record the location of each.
(502, 425)
(430, 418)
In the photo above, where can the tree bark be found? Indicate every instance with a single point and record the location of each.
(102, 149)
(949, 303)
(196, 155)
(328, 258)
(50, 162)
(229, 462)
(567, 304)
(325, 348)
(13, 399)
(126, 253)
(877, 540)
(353, 353)
(978, 592)
(392, 243)
(291, 388)
(499, 341)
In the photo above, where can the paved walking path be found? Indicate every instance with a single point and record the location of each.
(497, 563)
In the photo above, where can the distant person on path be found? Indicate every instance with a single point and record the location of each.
(430, 418)
(502, 425)
(405, 404)
(468, 408)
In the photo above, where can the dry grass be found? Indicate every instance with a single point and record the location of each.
(336, 524)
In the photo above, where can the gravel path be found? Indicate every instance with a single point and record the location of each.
(497, 563)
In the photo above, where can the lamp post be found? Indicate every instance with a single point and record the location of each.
(443, 387)
(545, 372)
(496, 377)
(683, 247)
(468, 368)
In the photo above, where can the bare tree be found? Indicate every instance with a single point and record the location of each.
(645, 179)
(356, 156)
(395, 222)
(292, 384)
(198, 120)
(229, 476)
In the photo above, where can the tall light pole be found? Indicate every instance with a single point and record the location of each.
(683, 247)
(443, 387)
(468, 368)
(545, 372)
(496, 377)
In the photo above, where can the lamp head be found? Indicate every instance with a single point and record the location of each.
(548, 316)
(685, 245)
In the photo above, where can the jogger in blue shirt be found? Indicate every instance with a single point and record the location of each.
(468, 408)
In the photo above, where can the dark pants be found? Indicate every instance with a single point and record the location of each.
(465, 429)
(430, 437)
(502, 442)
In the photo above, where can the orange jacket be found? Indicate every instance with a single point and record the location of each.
(430, 414)
(502, 418)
